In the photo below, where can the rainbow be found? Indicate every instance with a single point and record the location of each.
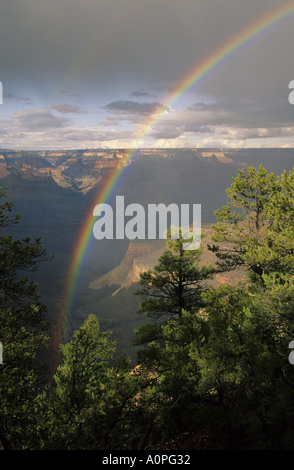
(193, 78)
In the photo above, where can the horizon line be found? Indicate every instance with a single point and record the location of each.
(138, 150)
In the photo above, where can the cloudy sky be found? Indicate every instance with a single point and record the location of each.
(102, 74)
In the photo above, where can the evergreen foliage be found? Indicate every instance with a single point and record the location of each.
(23, 331)
(215, 371)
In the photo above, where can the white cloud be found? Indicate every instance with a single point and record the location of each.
(39, 119)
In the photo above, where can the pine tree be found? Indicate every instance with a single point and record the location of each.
(174, 285)
(23, 331)
(243, 223)
(92, 401)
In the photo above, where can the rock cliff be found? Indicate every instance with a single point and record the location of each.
(81, 170)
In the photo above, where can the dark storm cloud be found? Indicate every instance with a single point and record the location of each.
(246, 113)
(127, 111)
(44, 44)
(140, 94)
(133, 107)
(105, 52)
(172, 131)
(36, 120)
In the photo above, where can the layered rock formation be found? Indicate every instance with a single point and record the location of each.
(81, 170)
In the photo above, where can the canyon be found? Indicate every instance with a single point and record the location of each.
(54, 191)
(82, 170)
